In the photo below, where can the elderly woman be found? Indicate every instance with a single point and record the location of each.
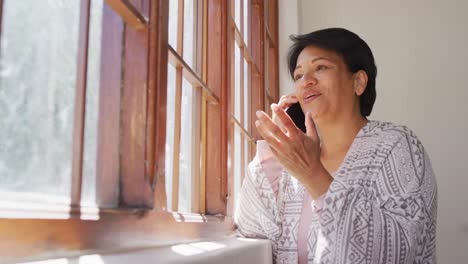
(348, 189)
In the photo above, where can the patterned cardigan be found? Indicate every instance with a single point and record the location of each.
(380, 208)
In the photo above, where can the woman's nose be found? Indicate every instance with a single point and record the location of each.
(309, 79)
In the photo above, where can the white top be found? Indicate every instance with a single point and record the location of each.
(380, 208)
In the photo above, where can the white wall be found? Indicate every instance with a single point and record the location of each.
(288, 23)
(421, 51)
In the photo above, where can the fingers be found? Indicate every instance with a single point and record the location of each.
(271, 132)
(311, 129)
(284, 120)
(287, 100)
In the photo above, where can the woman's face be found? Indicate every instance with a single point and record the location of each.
(324, 85)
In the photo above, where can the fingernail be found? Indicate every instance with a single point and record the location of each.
(274, 107)
(258, 113)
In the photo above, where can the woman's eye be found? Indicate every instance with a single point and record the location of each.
(321, 67)
(297, 77)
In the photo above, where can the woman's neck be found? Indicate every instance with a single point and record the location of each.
(337, 136)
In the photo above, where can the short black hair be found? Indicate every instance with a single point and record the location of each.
(355, 52)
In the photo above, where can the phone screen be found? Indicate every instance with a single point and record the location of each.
(296, 114)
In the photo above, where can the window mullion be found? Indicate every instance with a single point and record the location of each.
(180, 28)
(218, 80)
(204, 122)
(80, 102)
(177, 132)
(129, 13)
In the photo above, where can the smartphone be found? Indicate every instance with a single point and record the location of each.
(296, 114)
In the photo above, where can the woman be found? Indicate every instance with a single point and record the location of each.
(349, 190)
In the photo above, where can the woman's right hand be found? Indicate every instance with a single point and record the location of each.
(285, 102)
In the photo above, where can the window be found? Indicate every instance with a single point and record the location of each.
(37, 123)
(127, 118)
(186, 95)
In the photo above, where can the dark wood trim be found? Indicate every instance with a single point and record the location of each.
(136, 188)
(243, 130)
(273, 52)
(231, 47)
(217, 115)
(273, 20)
(108, 147)
(194, 78)
(157, 100)
(198, 37)
(257, 52)
(176, 144)
(37, 239)
(204, 126)
(180, 27)
(129, 13)
(80, 102)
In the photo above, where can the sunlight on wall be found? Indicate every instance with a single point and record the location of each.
(196, 248)
(189, 218)
(50, 261)
(86, 259)
(91, 259)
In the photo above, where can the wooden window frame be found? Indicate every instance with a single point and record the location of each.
(131, 136)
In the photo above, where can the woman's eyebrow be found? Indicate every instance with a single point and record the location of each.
(314, 60)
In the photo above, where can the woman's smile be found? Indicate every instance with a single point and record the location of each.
(310, 96)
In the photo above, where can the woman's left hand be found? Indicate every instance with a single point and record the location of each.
(298, 152)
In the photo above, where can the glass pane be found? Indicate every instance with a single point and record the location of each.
(171, 91)
(267, 78)
(88, 196)
(246, 95)
(246, 21)
(246, 155)
(237, 160)
(38, 59)
(237, 83)
(237, 10)
(173, 10)
(186, 148)
(189, 27)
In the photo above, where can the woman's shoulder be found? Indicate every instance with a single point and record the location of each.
(389, 131)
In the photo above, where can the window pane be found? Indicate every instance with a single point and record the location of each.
(38, 59)
(246, 154)
(170, 126)
(173, 10)
(237, 10)
(188, 137)
(189, 27)
(237, 160)
(246, 95)
(246, 21)
(88, 195)
(237, 83)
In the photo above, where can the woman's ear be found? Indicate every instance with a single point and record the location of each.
(360, 82)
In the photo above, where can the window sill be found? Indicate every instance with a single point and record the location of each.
(32, 239)
(226, 251)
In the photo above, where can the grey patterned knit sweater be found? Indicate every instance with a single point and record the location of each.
(380, 208)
